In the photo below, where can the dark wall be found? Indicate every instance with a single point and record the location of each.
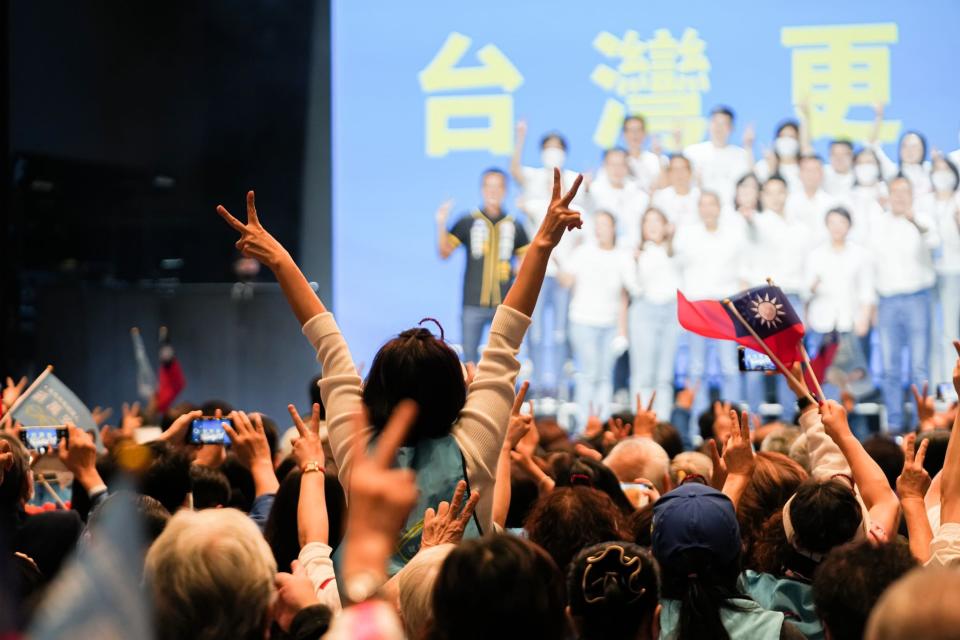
(128, 123)
(131, 121)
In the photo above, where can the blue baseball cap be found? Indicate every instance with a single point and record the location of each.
(695, 516)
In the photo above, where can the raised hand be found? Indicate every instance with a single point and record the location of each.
(443, 212)
(255, 242)
(520, 424)
(101, 415)
(248, 439)
(719, 475)
(914, 479)
(645, 420)
(294, 592)
(617, 430)
(925, 406)
(956, 368)
(749, 136)
(687, 395)
(78, 453)
(835, 421)
(176, 434)
(307, 447)
(738, 455)
(380, 497)
(560, 217)
(447, 523)
(13, 390)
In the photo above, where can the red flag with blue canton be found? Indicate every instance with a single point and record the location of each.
(766, 309)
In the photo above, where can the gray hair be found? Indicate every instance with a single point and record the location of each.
(211, 575)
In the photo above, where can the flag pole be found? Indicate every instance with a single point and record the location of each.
(26, 392)
(813, 375)
(806, 360)
(782, 367)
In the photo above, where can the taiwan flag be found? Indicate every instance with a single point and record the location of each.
(766, 309)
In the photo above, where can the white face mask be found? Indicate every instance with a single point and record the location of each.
(553, 157)
(866, 173)
(786, 147)
(943, 181)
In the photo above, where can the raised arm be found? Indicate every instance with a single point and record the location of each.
(519, 426)
(483, 421)
(255, 242)
(912, 486)
(738, 458)
(341, 386)
(445, 244)
(881, 501)
(560, 218)
(950, 475)
(516, 162)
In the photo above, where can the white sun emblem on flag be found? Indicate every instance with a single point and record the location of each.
(767, 310)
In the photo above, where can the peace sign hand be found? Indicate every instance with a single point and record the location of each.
(914, 479)
(307, 447)
(255, 242)
(560, 217)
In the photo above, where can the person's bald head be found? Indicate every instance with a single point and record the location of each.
(638, 457)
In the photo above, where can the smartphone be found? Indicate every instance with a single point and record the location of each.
(753, 361)
(43, 439)
(636, 497)
(209, 430)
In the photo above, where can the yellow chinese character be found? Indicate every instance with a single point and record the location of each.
(838, 67)
(662, 79)
(495, 111)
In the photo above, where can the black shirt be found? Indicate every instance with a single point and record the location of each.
(491, 244)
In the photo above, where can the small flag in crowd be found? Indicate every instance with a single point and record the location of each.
(146, 380)
(767, 311)
(47, 402)
(171, 380)
(822, 360)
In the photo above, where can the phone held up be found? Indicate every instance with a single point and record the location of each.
(753, 361)
(209, 430)
(43, 439)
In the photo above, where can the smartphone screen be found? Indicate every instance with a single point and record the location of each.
(209, 430)
(753, 361)
(42, 439)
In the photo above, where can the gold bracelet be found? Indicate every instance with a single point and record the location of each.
(311, 467)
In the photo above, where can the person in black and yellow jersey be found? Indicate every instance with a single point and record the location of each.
(492, 238)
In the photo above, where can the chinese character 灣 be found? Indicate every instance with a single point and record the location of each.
(662, 79)
(485, 121)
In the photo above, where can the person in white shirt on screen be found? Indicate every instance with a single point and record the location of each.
(944, 205)
(600, 276)
(811, 203)
(653, 314)
(838, 176)
(868, 197)
(645, 166)
(548, 347)
(784, 158)
(680, 199)
(902, 241)
(777, 249)
(839, 278)
(911, 162)
(954, 156)
(746, 201)
(709, 255)
(616, 192)
(717, 164)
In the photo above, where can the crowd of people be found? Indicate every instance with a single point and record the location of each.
(860, 244)
(431, 501)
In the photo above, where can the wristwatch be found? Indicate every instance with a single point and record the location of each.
(311, 467)
(802, 403)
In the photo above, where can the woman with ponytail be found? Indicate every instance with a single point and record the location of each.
(696, 540)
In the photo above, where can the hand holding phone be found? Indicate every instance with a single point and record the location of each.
(209, 430)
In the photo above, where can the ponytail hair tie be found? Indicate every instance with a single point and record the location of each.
(434, 321)
(580, 478)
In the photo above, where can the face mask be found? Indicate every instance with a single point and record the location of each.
(943, 181)
(553, 157)
(786, 147)
(866, 173)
